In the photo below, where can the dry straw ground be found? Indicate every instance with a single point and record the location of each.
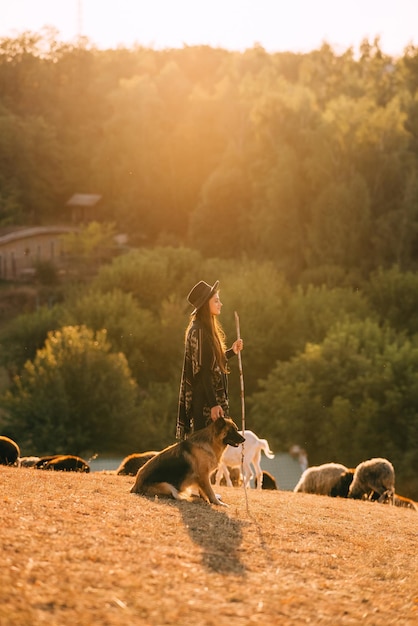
(80, 550)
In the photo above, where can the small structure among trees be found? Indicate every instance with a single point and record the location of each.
(83, 207)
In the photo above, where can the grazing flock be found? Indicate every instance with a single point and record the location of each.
(10, 455)
(373, 479)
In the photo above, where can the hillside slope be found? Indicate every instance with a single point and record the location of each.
(80, 549)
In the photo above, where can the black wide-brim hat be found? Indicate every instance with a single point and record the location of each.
(201, 293)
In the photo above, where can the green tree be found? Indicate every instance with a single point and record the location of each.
(75, 397)
(393, 295)
(26, 334)
(352, 397)
(26, 195)
(276, 222)
(152, 275)
(260, 295)
(340, 227)
(134, 132)
(313, 310)
(134, 331)
(157, 407)
(89, 247)
(220, 220)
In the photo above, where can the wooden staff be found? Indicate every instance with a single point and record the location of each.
(241, 376)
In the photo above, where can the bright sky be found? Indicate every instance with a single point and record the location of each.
(278, 25)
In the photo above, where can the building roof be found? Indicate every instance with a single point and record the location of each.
(25, 233)
(84, 199)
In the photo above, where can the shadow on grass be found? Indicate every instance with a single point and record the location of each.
(219, 536)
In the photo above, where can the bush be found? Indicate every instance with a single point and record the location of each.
(348, 399)
(74, 397)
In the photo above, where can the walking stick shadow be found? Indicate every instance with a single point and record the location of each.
(219, 537)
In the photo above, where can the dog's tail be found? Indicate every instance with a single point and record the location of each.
(266, 449)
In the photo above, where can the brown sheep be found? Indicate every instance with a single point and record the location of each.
(43, 460)
(342, 485)
(269, 482)
(9, 451)
(234, 474)
(131, 464)
(394, 499)
(404, 502)
(66, 463)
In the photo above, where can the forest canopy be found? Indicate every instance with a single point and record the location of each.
(307, 160)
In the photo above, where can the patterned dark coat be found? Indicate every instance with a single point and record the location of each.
(203, 385)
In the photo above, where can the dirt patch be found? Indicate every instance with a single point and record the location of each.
(80, 549)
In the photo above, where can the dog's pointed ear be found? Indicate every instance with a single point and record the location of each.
(219, 424)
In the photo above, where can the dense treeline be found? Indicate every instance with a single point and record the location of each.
(309, 160)
(293, 179)
(332, 369)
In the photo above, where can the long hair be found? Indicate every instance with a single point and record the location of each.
(215, 332)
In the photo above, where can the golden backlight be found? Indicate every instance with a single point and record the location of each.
(277, 25)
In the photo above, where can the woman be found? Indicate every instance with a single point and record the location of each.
(204, 382)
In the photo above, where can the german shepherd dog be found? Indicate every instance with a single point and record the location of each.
(188, 463)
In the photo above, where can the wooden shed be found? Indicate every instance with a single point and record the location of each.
(83, 207)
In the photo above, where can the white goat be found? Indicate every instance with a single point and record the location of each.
(232, 457)
(320, 479)
(373, 478)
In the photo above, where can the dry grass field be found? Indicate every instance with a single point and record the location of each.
(80, 550)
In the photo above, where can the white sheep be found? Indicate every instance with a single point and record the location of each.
(374, 478)
(320, 479)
